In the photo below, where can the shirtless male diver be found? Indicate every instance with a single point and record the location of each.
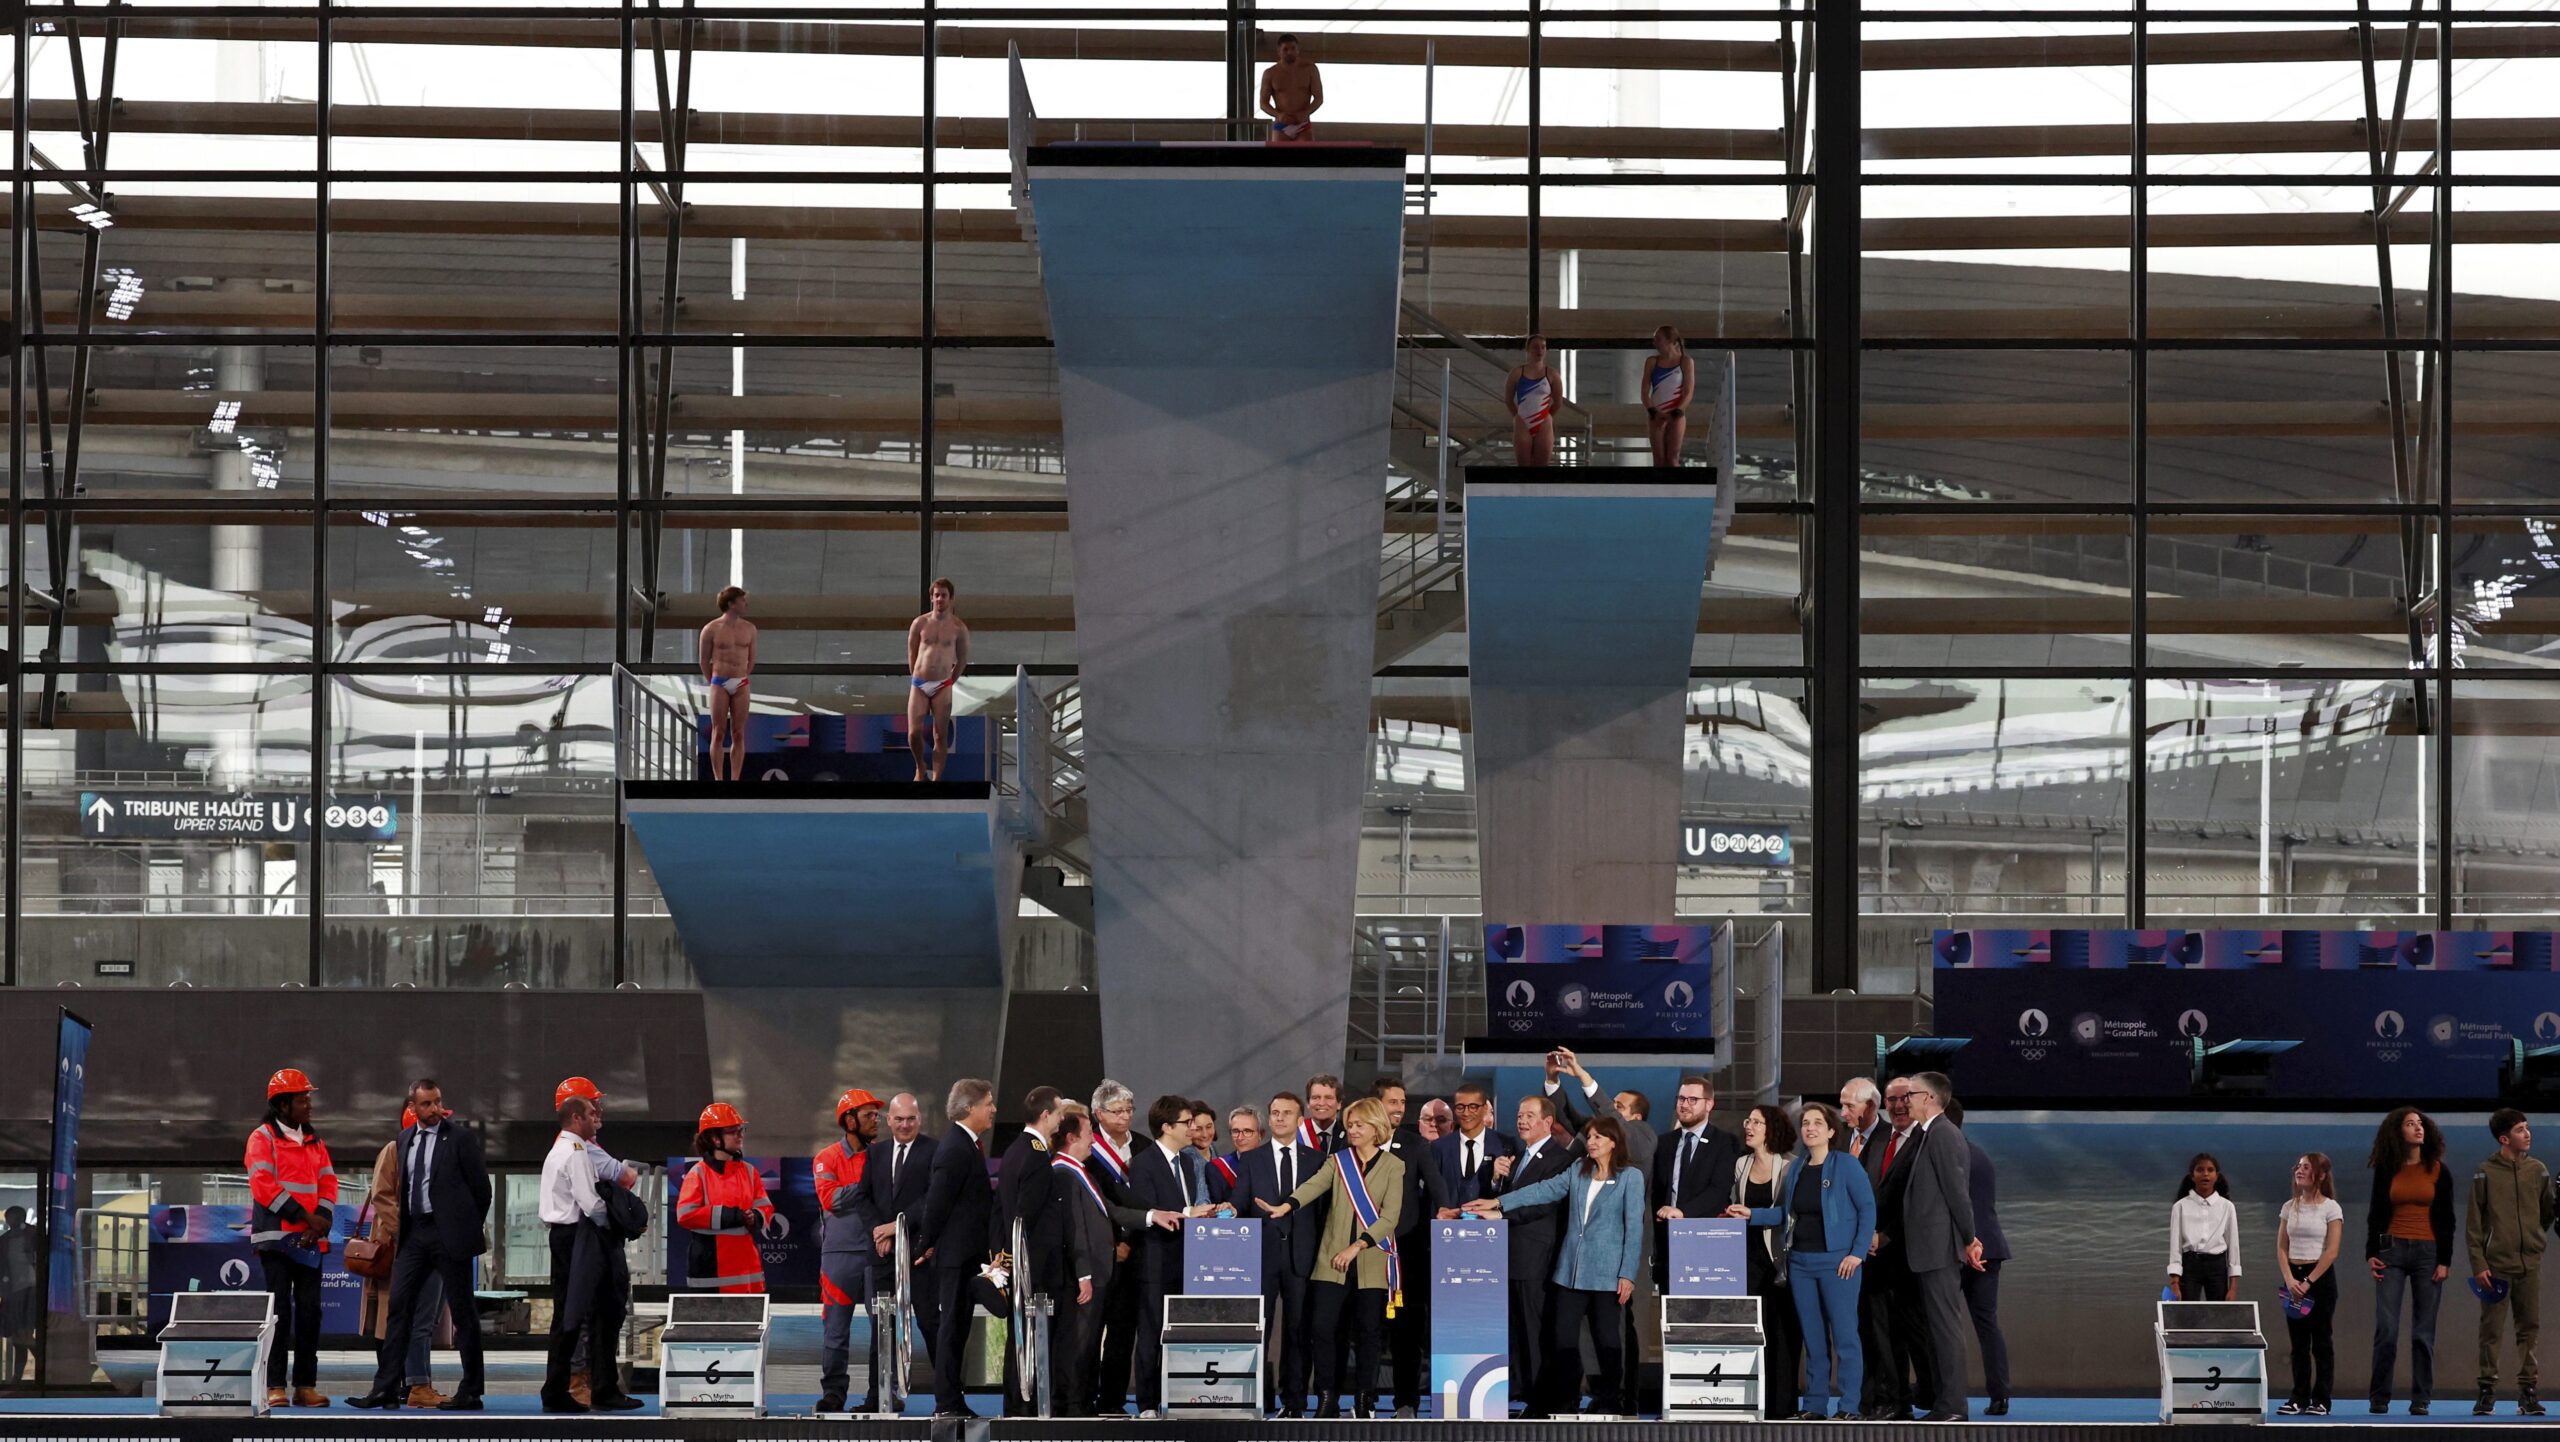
(727, 656)
(1292, 93)
(937, 655)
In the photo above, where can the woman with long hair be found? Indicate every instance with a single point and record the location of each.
(293, 1196)
(2204, 1235)
(2408, 1246)
(1760, 1177)
(1357, 1269)
(2308, 1228)
(1596, 1266)
(1670, 381)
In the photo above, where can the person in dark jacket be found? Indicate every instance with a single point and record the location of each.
(1536, 1233)
(958, 1209)
(1982, 1288)
(2408, 1245)
(1025, 1193)
(897, 1172)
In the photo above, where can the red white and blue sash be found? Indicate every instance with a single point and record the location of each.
(1067, 1164)
(1112, 1161)
(1366, 1209)
(1307, 1135)
(1226, 1166)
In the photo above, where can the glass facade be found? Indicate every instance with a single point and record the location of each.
(2145, 442)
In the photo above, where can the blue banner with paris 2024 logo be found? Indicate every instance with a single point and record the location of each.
(1471, 1318)
(1551, 983)
(1707, 1256)
(1222, 1257)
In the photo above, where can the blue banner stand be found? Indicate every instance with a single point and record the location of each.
(1471, 1319)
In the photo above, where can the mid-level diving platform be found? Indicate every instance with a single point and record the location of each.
(1582, 609)
(832, 884)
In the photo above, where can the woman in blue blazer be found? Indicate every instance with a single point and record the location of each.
(1603, 1200)
(1828, 1214)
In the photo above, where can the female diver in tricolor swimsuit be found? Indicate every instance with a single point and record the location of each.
(1670, 379)
(1532, 393)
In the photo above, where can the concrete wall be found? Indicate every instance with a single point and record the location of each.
(1578, 791)
(1225, 345)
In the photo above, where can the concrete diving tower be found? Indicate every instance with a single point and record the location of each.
(1582, 611)
(1225, 322)
(833, 884)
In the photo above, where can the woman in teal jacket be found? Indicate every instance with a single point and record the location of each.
(1829, 1215)
(1603, 1200)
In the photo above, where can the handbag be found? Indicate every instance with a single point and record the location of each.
(365, 1256)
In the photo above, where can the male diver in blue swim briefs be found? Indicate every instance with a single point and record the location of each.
(937, 656)
(727, 655)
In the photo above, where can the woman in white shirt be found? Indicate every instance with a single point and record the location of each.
(2308, 1229)
(2204, 1236)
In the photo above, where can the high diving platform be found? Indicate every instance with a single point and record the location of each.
(1583, 586)
(1225, 321)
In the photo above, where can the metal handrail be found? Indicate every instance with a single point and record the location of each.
(889, 1394)
(653, 738)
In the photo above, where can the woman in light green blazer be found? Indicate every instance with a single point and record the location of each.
(1354, 1269)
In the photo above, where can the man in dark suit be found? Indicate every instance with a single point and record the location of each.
(1269, 1173)
(1024, 1193)
(896, 1173)
(1938, 1237)
(1324, 1113)
(1425, 1198)
(1078, 1272)
(959, 1207)
(1899, 1366)
(1467, 1154)
(1160, 1181)
(1692, 1171)
(1116, 1140)
(1535, 1233)
(1982, 1285)
(444, 1212)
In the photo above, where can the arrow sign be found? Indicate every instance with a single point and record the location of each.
(235, 816)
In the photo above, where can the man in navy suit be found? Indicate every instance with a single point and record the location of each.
(896, 1172)
(1160, 1181)
(1534, 1235)
(1467, 1155)
(1269, 1173)
(959, 1210)
(444, 1210)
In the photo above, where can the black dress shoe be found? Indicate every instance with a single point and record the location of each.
(616, 1403)
(1328, 1412)
(372, 1401)
(1945, 1416)
(561, 1402)
(1999, 1408)
(470, 1402)
(831, 1402)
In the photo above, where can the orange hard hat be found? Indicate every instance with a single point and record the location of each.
(290, 1079)
(408, 1118)
(717, 1116)
(576, 1086)
(854, 1100)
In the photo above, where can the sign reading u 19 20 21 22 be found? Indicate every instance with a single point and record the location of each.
(238, 816)
(1725, 843)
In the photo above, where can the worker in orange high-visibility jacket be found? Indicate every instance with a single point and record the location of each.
(293, 1195)
(723, 1204)
(844, 1250)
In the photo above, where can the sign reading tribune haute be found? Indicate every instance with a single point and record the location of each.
(241, 816)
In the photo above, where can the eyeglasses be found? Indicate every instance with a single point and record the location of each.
(1470, 1106)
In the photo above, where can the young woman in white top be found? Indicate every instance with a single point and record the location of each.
(2308, 1228)
(2204, 1236)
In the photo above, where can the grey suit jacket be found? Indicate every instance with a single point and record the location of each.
(1937, 1203)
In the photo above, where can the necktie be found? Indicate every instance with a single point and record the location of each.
(1471, 1160)
(1680, 1161)
(1891, 1144)
(1288, 1173)
(418, 1173)
(897, 1164)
